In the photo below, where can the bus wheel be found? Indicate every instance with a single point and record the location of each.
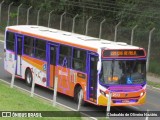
(77, 94)
(28, 77)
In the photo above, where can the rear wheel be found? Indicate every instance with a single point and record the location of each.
(28, 77)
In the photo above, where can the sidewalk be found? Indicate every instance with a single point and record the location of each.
(153, 78)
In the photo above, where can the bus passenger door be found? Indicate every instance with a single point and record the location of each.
(92, 78)
(51, 64)
(18, 54)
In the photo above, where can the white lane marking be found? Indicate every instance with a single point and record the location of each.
(2, 41)
(135, 108)
(49, 99)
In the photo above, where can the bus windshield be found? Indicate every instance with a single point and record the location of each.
(123, 72)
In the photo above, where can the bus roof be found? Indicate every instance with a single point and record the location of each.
(68, 38)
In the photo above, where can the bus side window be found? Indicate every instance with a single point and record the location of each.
(29, 46)
(65, 56)
(79, 60)
(10, 37)
(40, 49)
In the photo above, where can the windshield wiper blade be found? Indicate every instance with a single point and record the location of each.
(112, 68)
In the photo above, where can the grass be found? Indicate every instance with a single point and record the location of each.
(16, 100)
(1, 36)
(154, 84)
(153, 67)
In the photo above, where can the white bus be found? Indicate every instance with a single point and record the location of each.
(81, 63)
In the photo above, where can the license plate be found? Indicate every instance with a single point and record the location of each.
(125, 101)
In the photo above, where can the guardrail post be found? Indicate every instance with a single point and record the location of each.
(80, 100)
(49, 18)
(33, 83)
(1, 10)
(13, 75)
(73, 25)
(61, 20)
(87, 25)
(9, 13)
(115, 35)
(100, 29)
(18, 13)
(149, 49)
(55, 90)
(108, 104)
(132, 34)
(38, 16)
(28, 15)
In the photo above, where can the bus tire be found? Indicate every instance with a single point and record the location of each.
(28, 77)
(77, 95)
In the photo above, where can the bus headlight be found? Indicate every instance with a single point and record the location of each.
(142, 93)
(103, 93)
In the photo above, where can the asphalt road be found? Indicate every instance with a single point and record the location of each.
(152, 104)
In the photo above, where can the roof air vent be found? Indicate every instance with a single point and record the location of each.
(43, 29)
(88, 38)
(105, 42)
(122, 43)
(53, 31)
(34, 27)
(67, 34)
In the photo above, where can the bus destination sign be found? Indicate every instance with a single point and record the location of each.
(122, 53)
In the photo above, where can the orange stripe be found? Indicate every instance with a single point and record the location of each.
(53, 39)
(34, 62)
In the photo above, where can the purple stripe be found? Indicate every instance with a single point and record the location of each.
(125, 88)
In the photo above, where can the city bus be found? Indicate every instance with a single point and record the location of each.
(83, 64)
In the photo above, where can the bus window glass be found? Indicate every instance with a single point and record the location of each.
(28, 46)
(40, 49)
(65, 56)
(123, 72)
(10, 41)
(79, 60)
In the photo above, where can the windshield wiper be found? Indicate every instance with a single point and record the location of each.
(134, 65)
(112, 69)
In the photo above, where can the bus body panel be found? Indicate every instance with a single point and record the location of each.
(66, 82)
(68, 79)
(136, 97)
(37, 68)
(9, 61)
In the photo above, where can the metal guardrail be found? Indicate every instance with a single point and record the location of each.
(73, 26)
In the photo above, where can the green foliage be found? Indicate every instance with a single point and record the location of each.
(154, 84)
(13, 15)
(142, 13)
(153, 67)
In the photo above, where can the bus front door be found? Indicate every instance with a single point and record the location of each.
(92, 80)
(51, 71)
(18, 54)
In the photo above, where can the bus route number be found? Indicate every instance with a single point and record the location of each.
(114, 94)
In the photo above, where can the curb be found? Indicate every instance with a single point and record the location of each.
(153, 87)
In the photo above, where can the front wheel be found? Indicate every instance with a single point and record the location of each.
(28, 77)
(79, 93)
